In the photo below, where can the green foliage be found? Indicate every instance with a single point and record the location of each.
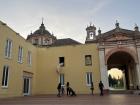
(115, 83)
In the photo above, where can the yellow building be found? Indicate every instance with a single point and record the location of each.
(28, 69)
(74, 71)
(37, 64)
(15, 65)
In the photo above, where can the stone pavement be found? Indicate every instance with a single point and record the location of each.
(115, 99)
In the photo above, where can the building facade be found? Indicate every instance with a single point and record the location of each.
(17, 63)
(37, 64)
(119, 48)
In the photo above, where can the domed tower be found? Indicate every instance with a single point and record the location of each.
(91, 33)
(41, 37)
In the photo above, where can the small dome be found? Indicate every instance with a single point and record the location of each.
(42, 31)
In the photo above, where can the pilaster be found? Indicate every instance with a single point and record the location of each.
(103, 69)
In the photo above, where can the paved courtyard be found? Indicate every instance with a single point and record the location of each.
(78, 100)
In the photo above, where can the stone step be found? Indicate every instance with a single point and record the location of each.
(121, 91)
(137, 92)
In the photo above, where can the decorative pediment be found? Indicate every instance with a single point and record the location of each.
(117, 34)
(117, 37)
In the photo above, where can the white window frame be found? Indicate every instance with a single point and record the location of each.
(62, 79)
(29, 58)
(89, 78)
(8, 48)
(20, 54)
(5, 76)
(29, 86)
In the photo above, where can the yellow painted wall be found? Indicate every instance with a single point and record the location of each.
(15, 84)
(44, 65)
(74, 69)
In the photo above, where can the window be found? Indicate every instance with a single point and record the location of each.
(8, 48)
(29, 58)
(88, 78)
(5, 76)
(36, 41)
(20, 54)
(26, 86)
(88, 60)
(61, 61)
(46, 40)
(61, 79)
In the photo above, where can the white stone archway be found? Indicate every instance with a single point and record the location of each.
(104, 55)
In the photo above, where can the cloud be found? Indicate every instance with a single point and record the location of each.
(66, 18)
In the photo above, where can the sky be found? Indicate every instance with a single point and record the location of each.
(115, 73)
(69, 18)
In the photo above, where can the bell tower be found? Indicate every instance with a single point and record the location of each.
(91, 32)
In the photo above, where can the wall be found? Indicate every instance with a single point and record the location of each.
(74, 69)
(15, 84)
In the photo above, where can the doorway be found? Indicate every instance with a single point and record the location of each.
(26, 86)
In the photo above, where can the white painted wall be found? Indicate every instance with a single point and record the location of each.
(103, 69)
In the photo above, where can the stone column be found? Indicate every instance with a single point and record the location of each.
(138, 74)
(39, 41)
(131, 85)
(124, 80)
(103, 69)
(138, 67)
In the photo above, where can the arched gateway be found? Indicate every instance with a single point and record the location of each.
(119, 48)
(125, 60)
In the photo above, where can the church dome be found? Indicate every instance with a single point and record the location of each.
(41, 36)
(42, 30)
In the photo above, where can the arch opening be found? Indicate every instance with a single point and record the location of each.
(121, 71)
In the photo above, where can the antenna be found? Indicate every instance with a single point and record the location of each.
(42, 20)
(90, 23)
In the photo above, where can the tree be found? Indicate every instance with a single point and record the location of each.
(110, 79)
